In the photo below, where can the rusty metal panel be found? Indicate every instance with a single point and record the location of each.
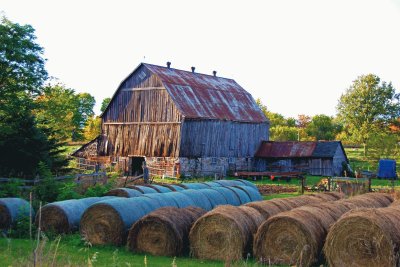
(208, 97)
(289, 149)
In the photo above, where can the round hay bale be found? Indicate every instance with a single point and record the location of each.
(159, 188)
(253, 193)
(170, 187)
(199, 198)
(224, 233)
(108, 221)
(163, 199)
(64, 216)
(329, 196)
(366, 237)
(297, 236)
(230, 196)
(247, 183)
(181, 199)
(124, 192)
(11, 209)
(228, 182)
(164, 232)
(302, 200)
(212, 184)
(176, 187)
(265, 208)
(243, 196)
(195, 185)
(215, 197)
(143, 189)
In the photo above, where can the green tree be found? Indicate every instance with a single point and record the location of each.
(284, 133)
(104, 104)
(22, 73)
(63, 110)
(368, 106)
(322, 127)
(92, 128)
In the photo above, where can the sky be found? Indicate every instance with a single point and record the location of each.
(298, 57)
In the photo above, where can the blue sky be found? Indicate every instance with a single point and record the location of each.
(297, 56)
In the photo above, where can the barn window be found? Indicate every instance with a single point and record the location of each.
(142, 75)
(213, 161)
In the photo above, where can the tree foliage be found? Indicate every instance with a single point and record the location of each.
(104, 104)
(22, 73)
(322, 127)
(92, 128)
(368, 106)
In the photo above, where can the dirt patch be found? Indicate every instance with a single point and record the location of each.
(276, 189)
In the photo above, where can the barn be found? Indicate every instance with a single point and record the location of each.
(180, 123)
(314, 157)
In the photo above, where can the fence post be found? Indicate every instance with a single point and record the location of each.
(302, 184)
(369, 184)
(329, 184)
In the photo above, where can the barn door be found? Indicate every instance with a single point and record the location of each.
(136, 165)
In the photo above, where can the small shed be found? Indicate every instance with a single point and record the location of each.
(312, 157)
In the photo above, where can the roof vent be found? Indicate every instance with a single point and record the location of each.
(215, 73)
(168, 65)
(193, 68)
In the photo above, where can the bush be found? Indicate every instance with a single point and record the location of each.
(11, 189)
(48, 188)
(68, 191)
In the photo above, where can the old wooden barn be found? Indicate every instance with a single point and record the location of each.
(180, 122)
(315, 158)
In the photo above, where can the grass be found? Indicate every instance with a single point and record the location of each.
(71, 251)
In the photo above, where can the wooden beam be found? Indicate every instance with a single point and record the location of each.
(140, 123)
(142, 89)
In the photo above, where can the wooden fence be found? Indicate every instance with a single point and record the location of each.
(92, 178)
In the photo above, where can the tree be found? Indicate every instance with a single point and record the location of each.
(92, 128)
(104, 104)
(322, 127)
(368, 107)
(63, 110)
(22, 73)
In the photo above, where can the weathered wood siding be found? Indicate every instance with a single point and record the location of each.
(141, 120)
(216, 138)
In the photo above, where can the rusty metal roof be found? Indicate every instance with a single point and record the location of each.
(294, 149)
(287, 149)
(204, 96)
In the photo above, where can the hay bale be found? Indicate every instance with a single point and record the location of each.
(64, 216)
(108, 221)
(177, 187)
(11, 209)
(164, 200)
(296, 237)
(247, 183)
(225, 233)
(329, 196)
(243, 196)
(181, 199)
(212, 184)
(159, 188)
(228, 182)
(124, 192)
(170, 187)
(253, 193)
(365, 237)
(215, 197)
(164, 232)
(194, 185)
(230, 196)
(200, 199)
(143, 189)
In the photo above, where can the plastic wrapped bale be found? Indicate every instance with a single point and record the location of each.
(296, 237)
(252, 192)
(365, 237)
(243, 196)
(194, 185)
(159, 188)
(225, 233)
(164, 232)
(108, 221)
(215, 197)
(165, 200)
(64, 216)
(247, 183)
(200, 199)
(213, 184)
(143, 189)
(176, 187)
(230, 196)
(11, 209)
(228, 182)
(181, 199)
(170, 187)
(124, 192)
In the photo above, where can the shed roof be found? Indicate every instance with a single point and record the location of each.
(296, 149)
(202, 96)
